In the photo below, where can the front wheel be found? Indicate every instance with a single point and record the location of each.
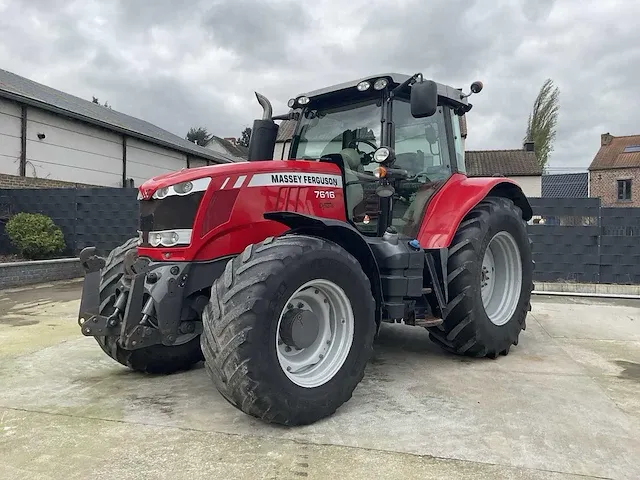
(289, 329)
(490, 279)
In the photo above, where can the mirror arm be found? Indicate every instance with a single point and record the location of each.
(409, 81)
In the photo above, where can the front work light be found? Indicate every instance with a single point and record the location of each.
(303, 100)
(363, 86)
(381, 155)
(380, 83)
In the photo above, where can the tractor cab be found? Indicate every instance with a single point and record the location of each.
(395, 137)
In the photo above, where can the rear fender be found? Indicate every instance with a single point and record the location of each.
(344, 235)
(456, 198)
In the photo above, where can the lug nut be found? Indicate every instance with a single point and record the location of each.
(288, 369)
(300, 305)
(287, 349)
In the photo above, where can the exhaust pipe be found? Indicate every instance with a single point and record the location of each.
(263, 134)
(267, 109)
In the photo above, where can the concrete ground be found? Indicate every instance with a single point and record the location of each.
(564, 404)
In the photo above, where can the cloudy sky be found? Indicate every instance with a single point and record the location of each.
(199, 65)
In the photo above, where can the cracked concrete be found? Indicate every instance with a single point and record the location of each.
(563, 404)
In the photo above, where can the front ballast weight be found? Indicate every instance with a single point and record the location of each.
(133, 318)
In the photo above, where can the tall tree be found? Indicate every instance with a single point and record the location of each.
(199, 136)
(246, 136)
(541, 127)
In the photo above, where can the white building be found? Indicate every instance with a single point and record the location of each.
(520, 165)
(55, 137)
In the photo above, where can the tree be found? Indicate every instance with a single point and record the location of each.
(199, 136)
(106, 104)
(541, 127)
(246, 136)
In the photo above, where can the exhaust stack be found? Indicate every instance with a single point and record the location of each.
(263, 133)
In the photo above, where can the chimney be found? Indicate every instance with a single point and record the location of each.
(605, 139)
(231, 139)
(528, 147)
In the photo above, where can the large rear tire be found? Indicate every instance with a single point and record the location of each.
(156, 359)
(289, 329)
(490, 271)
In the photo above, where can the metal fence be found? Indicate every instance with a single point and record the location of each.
(574, 239)
(103, 217)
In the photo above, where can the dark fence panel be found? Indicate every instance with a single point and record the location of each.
(575, 239)
(103, 217)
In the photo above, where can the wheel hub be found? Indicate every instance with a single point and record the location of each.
(501, 278)
(299, 328)
(315, 332)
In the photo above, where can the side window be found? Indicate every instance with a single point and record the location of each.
(455, 120)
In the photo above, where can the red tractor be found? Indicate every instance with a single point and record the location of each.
(279, 273)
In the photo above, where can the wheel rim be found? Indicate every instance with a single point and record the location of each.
(501, 278)
(318, 363)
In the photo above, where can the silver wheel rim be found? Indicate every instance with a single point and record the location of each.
(501, 278)
(316, 365)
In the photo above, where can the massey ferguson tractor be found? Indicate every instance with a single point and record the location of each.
(279, 273)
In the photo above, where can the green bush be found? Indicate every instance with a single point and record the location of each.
(35, 235)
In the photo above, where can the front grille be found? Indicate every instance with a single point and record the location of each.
(170, 213)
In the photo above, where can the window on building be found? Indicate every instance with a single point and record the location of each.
(632, 148)
(624, 189)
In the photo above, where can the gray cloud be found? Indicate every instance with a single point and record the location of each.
(180, 66)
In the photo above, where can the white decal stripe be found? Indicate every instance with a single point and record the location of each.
(224, 184)
(295, 179)
(239, 181)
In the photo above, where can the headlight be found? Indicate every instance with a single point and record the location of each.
(183, 188)
(381, 155)
(170, 238)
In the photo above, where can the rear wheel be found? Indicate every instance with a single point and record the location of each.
(159, 359)
(289, 329)
(489, 277)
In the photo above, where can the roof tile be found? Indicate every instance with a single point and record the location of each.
(565, 185)
(612, 155)
(481, 163)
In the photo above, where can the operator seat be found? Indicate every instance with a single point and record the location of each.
(355, 192)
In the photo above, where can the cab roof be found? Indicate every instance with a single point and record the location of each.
(444, 91)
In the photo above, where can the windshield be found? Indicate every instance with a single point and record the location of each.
(330, 130)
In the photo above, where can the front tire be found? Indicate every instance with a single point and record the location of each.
(155, 359)
(490, 279)
(255, 362)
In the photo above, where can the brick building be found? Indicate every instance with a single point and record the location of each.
(614, 173)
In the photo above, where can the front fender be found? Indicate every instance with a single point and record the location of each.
(342, 233)
(456, 198)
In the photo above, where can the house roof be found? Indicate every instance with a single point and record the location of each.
(287, 127)
(233, 149)
(565, 185)
(481, 163)
(23, 90)
(612, 152)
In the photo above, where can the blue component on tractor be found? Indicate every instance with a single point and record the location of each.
(414, 244)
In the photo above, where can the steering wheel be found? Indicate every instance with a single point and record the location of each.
(367, 158)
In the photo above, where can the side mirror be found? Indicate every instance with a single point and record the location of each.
(424, 99)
